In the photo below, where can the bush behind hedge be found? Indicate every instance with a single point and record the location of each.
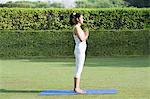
(26, 43)
(58, 19)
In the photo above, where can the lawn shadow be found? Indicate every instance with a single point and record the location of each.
(19, 91)
(113, 61)
(126, 61)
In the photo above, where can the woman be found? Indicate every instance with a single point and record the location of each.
(80, 37)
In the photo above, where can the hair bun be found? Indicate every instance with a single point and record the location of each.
(74, 13)
(73, 18)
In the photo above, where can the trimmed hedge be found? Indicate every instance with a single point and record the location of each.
(35, 43)
(58, 19)
(25, 43)
(116, 43)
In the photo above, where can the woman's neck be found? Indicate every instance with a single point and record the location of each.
(78, 24)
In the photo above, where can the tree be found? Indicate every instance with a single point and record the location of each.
(57, 5)
(100, 3)
(84, 4)
(29, 4)
(139, 3)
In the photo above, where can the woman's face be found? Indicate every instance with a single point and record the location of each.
(81, 19)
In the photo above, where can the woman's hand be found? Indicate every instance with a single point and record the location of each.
(86, 31)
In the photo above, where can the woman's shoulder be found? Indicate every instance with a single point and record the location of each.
(76, 26)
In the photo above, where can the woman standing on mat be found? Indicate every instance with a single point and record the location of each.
(80, 37)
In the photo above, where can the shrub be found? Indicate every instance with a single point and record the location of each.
(26, 43)
(58, 19)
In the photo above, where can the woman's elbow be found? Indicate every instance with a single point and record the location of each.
(82, 40)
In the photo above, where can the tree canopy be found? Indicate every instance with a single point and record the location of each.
(80, 4)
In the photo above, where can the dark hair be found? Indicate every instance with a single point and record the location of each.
(73, 18)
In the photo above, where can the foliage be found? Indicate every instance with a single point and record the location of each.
(18, 43)
(28, 4)
(58, 19)
(138, 3)
(100, 3)
(112, 3)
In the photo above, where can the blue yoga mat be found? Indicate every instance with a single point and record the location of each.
(71, 92)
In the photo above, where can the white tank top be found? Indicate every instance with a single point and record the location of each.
(79, 45)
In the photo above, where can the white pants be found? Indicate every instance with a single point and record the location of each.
(79, 59)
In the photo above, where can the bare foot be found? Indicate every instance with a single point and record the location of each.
(80, 91)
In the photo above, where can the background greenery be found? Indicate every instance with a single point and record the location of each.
(18, 43)
(80, 4)
(112, 3)
(58, 19)
(28, 32)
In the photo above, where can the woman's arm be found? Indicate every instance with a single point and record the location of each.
(78, 31)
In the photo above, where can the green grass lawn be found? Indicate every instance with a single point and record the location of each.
(25, 78)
